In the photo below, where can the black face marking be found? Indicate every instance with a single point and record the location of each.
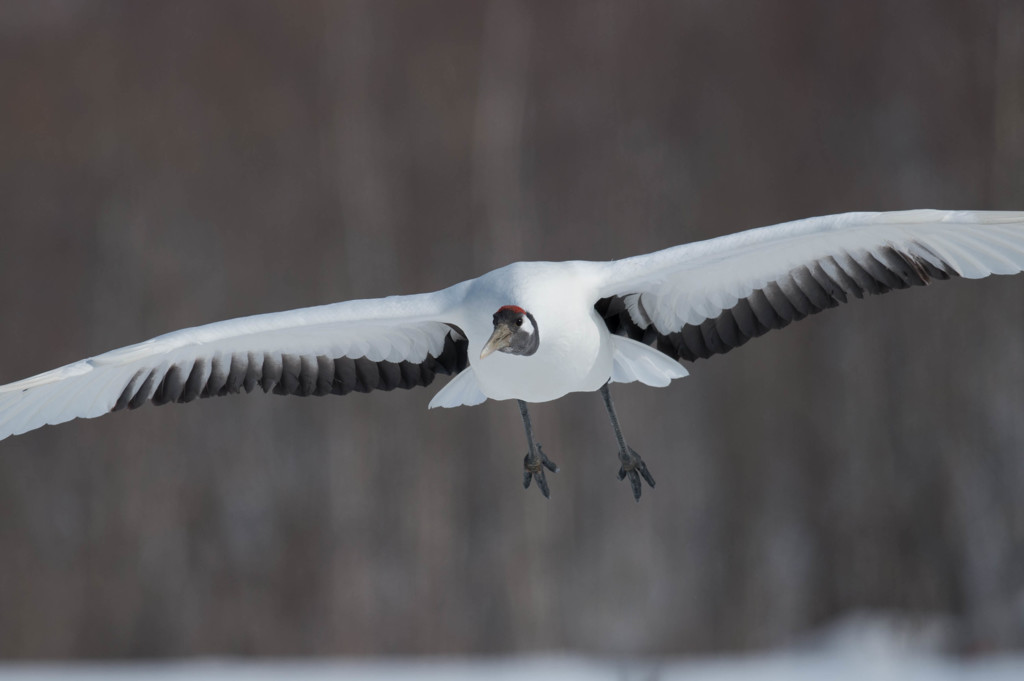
(525, 338)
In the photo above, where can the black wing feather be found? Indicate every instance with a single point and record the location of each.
(286, 374)
(803, 291)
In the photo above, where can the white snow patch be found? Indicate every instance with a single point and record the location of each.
(841, 666)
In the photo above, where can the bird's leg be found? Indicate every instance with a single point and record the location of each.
(632, 464)
(535, 461)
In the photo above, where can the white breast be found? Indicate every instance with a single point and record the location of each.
(574, 353)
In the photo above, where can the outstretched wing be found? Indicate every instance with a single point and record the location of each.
(361, 345)
(706, 298)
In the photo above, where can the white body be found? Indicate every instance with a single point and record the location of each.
(666, 290)
(575, 351)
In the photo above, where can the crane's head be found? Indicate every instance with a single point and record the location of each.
(515, 332)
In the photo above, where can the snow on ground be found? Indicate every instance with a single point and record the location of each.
(868, 648)
(772, 667)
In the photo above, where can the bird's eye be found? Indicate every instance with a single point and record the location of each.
(519, 321)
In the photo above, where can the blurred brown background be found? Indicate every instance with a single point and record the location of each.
(165, 164)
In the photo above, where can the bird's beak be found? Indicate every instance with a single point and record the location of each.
(501, 338)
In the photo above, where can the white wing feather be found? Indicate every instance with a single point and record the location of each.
(397, 328)
(461, 391)
(690, 283)
(635, 361)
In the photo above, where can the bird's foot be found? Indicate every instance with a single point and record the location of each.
(533, 469)
(635, 468)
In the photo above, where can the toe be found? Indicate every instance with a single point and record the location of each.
(542, 483)
(533, 469)
(646, 474)
(545, 461)
(634, 482)
(636, 469)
